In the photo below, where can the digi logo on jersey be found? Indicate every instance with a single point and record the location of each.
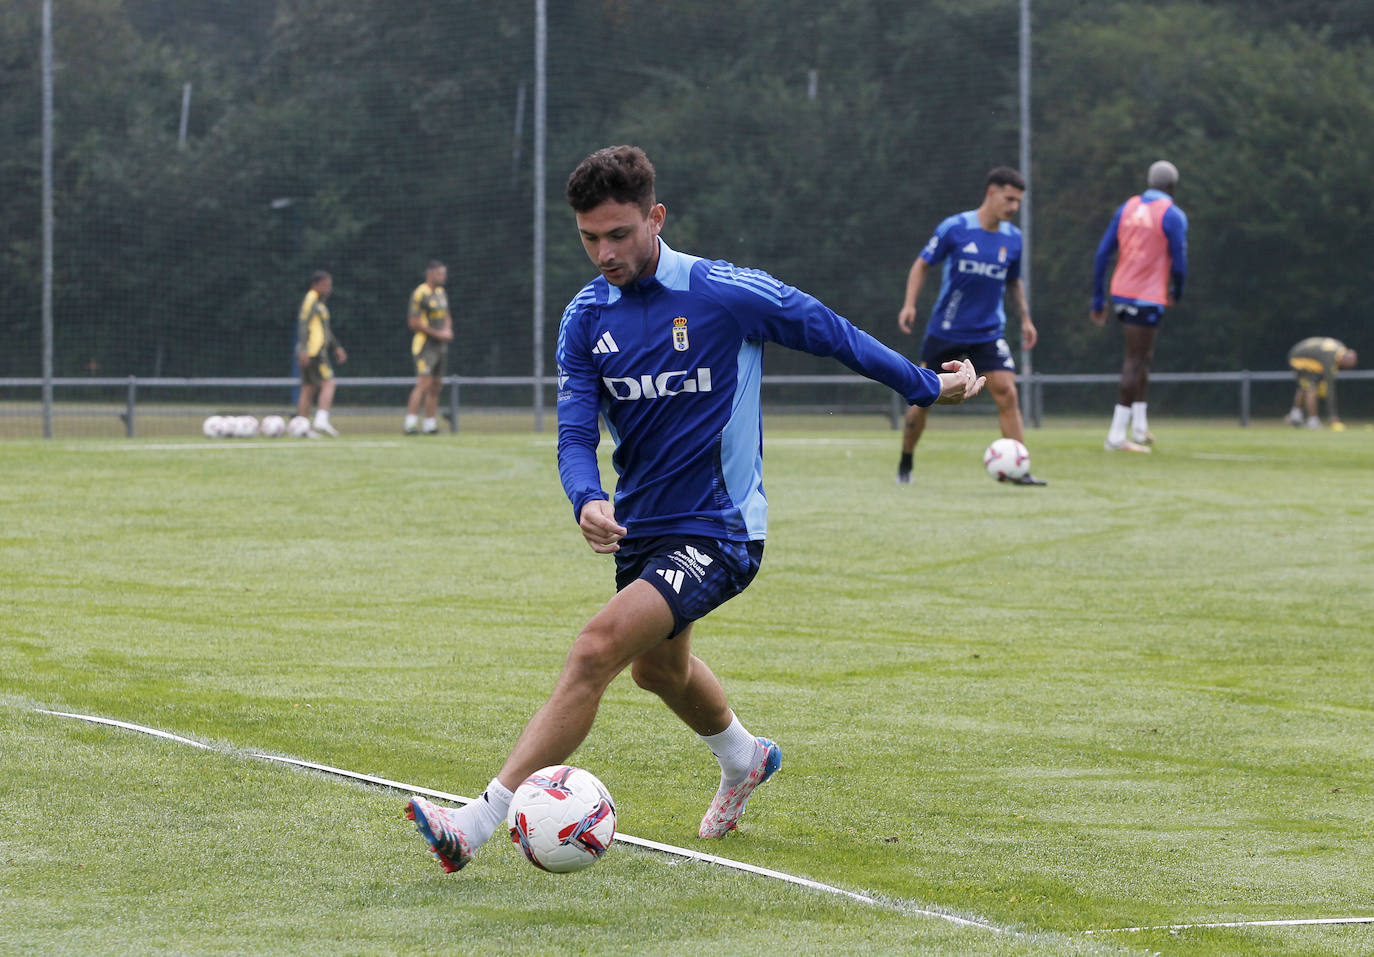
(629, 388)
(991, 270)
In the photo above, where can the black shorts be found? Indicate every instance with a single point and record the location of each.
(1148, 316)
(429, 361)
(317, 371)
(990, 356)
(693, 574)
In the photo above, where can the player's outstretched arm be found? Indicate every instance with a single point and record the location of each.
(959, 382)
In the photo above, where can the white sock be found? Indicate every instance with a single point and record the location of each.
(1121, 417)
(321, 417)
(1139, 424)
(412, 421)
(481, 819)
(737, 751)
(431, 425)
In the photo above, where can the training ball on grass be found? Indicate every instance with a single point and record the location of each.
(562, 818)
(213, 427)
(272, 427)
(1006, 459)
(245, 426)
(298, 427)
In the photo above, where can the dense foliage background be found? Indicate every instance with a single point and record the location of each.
(820, 141)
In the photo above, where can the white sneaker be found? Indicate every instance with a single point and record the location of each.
(1143, 438)
(726, 809)
(1125, 445)
(1294, 418)
(327, 429)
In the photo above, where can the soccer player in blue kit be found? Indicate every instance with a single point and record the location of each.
(668, 349)
(981, 252)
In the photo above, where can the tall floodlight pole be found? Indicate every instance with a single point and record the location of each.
(1027, 394)
(47, 219)
(541, 45)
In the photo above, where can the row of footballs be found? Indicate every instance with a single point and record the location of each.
(247, 426)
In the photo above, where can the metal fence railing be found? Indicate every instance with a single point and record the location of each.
(133, 397)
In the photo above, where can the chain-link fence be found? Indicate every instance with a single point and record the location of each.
(210, 156)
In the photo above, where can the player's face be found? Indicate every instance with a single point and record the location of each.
(621, 240)
(438, 276)
(1006, 201)
(324, 287)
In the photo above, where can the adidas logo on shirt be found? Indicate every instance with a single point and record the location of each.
(673, 577)
(605, 345)
(972, 247)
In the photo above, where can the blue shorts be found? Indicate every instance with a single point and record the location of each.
(1133, 315)
(694, 575)
(989, 356)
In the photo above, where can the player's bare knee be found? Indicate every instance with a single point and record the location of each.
(657, 678)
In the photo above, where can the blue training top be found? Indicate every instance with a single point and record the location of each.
(978, 266)
(673, 363)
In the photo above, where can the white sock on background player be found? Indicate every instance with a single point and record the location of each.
(1139, 423)
(431, 425)
(412, 422)
(321, 417)
(1121, 417)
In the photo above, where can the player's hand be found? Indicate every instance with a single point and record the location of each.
(906, 319)
(959, 382)
(1029, 335)
(1098, 316)
(599, 527)
(339, 355)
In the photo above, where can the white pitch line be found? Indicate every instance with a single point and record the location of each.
(129, 727)
(625, 838)
(239, 444)
(1292, 922)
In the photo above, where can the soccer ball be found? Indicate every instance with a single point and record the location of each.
(298, 427)
(1006, 459)
(213, 427)
(273, 426)
(245, 426)
(562, 818)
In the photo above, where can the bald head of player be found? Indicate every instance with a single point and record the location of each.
(1162, 175)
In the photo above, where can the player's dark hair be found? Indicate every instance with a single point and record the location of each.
(319, 275)
(433, 264)
(1004, 176)
(620, 173)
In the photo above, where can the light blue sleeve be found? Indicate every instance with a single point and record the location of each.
(939, 245)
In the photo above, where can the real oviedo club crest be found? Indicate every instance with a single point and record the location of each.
(680, 334)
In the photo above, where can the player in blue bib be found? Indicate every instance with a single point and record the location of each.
(981, 255)
(667, 349)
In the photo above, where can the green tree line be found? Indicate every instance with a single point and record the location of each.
(820, 141)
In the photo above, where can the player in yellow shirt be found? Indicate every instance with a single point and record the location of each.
(432, 326)
(314, 343)
(1316, 360)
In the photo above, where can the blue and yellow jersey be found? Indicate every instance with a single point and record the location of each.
(1317, 356)
(672, 363)
(312, 326)
(430, 304)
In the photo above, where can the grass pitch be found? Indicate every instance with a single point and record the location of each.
(1139, 696)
